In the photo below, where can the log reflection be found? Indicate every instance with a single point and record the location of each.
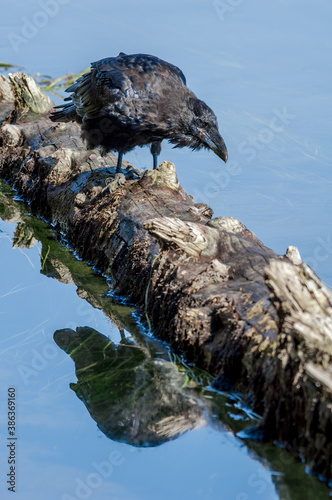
(133, 397)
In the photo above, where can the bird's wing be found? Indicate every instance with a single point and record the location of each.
(145, 67)
(138, 75)
(122, 78)
(95, 89)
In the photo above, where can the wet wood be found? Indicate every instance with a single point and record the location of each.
(259, 322)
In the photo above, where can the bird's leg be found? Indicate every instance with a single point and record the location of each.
(119, 164)
(155, 151)
(121, 175)
(119, 178)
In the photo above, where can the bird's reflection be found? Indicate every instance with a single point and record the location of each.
(133, 397)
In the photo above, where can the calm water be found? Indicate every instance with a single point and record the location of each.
(265, 69)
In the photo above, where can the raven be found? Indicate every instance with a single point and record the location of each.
(133, 100)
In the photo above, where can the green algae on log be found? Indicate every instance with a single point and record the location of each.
(260, 323)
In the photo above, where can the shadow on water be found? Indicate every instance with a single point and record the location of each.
(136, 390)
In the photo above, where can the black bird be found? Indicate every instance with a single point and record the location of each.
(133, 100)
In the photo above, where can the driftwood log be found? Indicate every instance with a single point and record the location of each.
(259, 322)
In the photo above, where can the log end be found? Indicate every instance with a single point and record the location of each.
(27, 95)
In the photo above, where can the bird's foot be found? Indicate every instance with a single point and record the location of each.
(113, 183)
(129, 172)
(121, 175)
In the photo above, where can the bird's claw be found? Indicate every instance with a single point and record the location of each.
(129, 172)
(112, 184)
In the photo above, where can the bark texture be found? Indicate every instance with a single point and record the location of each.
(259, 322)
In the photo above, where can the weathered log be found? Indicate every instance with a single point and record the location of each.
(259, 322)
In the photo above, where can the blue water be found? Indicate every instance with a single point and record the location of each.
(265, 68)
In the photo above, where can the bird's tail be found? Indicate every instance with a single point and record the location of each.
(66, 112)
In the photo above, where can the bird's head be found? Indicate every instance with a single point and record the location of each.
(201, 129)
(204, 127)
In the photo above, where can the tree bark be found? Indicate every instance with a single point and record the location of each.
(259, 322)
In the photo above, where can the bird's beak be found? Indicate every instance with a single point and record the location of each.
(218, 146)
